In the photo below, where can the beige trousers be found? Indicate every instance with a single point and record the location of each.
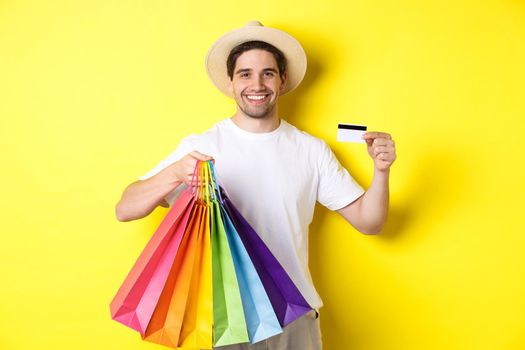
(302, 334)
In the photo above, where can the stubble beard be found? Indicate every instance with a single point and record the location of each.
(257, 112)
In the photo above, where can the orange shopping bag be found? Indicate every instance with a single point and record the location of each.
(198, 318)
(166, 323)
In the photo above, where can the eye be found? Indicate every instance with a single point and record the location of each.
(269, 74)
(245, 75)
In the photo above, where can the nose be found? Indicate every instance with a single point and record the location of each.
(258, 82)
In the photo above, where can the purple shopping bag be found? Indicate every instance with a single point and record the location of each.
(287, 301)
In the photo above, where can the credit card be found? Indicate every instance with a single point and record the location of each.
(350, 133)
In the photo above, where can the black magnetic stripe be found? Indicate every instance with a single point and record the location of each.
(351, 127)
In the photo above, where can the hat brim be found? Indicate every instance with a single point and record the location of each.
(289, 46)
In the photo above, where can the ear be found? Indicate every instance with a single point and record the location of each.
(284, 82)
(230, 85)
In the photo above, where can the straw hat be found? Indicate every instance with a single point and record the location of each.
(254, 30)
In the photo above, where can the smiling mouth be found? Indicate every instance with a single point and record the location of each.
(257, 99)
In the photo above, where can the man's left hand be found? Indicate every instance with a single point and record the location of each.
(381, 148)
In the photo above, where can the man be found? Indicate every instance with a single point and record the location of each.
(273, 172)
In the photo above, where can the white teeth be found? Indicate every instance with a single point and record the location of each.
(255, 97)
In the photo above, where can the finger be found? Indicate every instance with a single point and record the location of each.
(196, 180)
(190, 177)
(375, 135)
(383, 156)
(192, 159)
(190, 166)
(384, 148)
(380, 149)
(387, 157)
(200, 156)
(381, 142)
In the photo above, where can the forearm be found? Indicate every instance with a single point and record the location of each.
(374, 203)
(142, 197)
(368, 213)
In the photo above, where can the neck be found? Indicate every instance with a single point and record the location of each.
(257, 125)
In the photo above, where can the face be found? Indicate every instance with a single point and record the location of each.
(256, 84)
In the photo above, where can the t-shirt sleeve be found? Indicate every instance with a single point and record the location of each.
(182, 149)
(337, 188)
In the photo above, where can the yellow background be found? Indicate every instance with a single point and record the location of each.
(94, 93)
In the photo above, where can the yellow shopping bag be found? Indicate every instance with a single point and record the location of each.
(198, 319)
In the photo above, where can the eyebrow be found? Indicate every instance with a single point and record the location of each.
(245, 70)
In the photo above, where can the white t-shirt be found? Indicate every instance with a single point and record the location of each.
(274, 179)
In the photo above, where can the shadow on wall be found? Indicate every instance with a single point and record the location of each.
(294, 102)
(437, 182)
(292, 105)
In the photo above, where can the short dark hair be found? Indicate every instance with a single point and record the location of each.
(252, 45)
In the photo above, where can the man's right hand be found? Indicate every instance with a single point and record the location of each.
(184, 169)
(142, 196)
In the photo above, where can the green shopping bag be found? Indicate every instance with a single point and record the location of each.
(228, 315)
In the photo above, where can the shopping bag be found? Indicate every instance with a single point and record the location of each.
(197, 324)
(261, 319)
(228, 314)
(184, 314)
(166, 322)
(287, 301)
(130, 306)
(206, 278)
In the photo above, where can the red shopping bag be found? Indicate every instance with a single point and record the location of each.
(130, 306)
